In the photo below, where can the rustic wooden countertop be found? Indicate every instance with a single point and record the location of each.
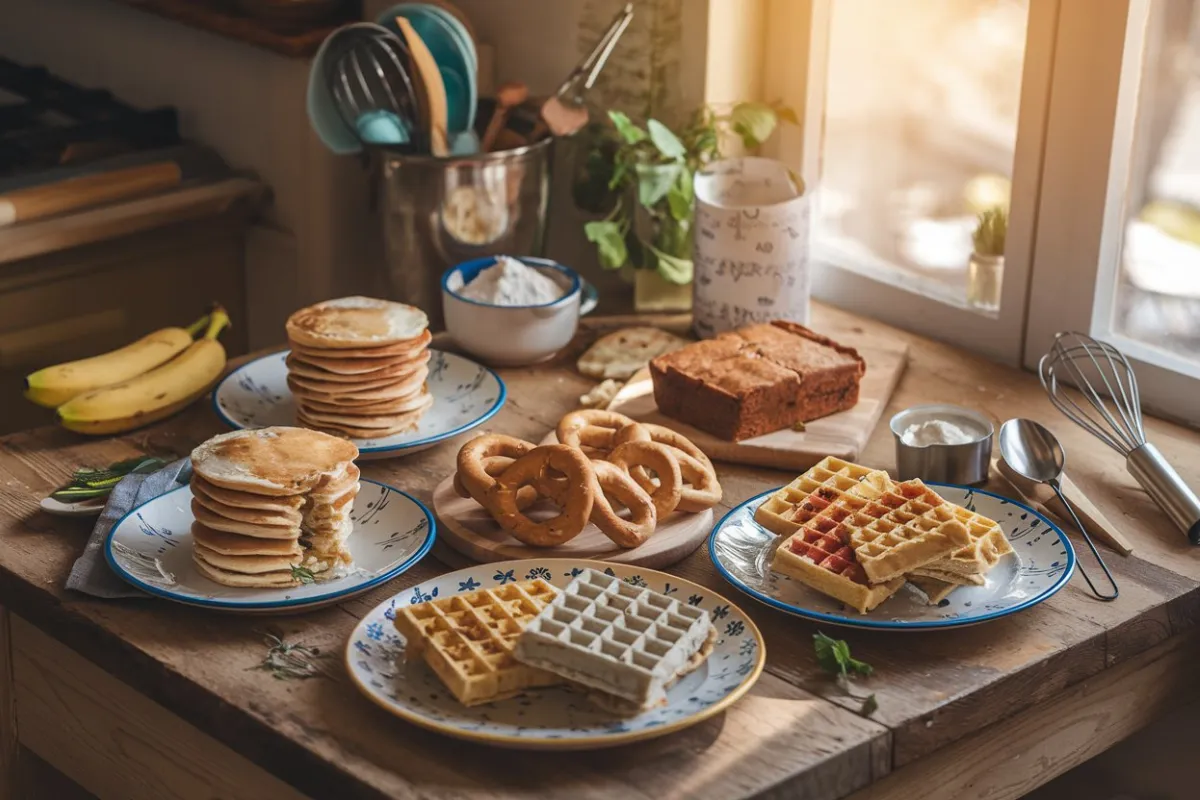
(993, 710)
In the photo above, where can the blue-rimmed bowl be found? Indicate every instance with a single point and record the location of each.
(515, 335)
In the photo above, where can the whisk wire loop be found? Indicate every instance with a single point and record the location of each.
(1111, 391)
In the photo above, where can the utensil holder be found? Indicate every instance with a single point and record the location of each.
(438, 212)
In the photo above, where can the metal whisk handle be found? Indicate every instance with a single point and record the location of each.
(1160, 480)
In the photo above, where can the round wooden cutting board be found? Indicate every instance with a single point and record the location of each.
(465, 526)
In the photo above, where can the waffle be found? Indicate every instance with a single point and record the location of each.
(935, 590)
(906, 527)
(467, 639)
(626, 642)
(988, 545)
(826, 562)
(786, 511)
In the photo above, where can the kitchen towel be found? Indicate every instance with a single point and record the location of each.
(91, 573)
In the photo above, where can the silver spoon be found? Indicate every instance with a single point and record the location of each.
(1033, 452)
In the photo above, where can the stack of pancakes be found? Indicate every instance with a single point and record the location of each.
(357, 366)
(272, 506)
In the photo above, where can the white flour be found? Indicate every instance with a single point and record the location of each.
(510, 282)
(936, 431)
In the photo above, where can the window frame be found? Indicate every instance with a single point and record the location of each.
(1091, 153)
(795, 70)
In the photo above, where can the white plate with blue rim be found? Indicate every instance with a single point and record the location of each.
(1041, 564)
(465, 395)
(553, 718)
(151, 548)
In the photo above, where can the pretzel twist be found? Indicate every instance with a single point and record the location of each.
(503, 503)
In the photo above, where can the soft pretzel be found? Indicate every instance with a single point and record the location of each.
(701, 488)
(649, 432)
(503, 503)
(473, 475)
(493, 466)
(611, 480)
(592, 428)
(667, 491)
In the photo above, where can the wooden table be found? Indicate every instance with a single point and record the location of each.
(988, 711)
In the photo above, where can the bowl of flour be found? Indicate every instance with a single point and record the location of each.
(514, 311)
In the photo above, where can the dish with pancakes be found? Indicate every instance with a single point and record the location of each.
(358, 366)
(272, 506)
(268, 519)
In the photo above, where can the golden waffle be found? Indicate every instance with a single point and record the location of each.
(905, 527)
(467, 639)
(784, 512)
(988, 545)
(823, 560)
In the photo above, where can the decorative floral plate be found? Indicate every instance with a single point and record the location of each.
(151, 547)
(465, 394)
(554, 718)
(1041, 564)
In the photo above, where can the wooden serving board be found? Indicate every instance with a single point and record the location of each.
(466, 527)
(844, 434)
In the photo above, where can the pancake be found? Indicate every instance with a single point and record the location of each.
(231, 497)
(356, 322)
(272, 461)
(333, 488)
(219, 523)
(253, 516)
(381, 408)
(244, 564)
(353, 432)
(262, 580)
(334, 369)
(232, 544)
(368, 421)
(407, 349)
(366, 392)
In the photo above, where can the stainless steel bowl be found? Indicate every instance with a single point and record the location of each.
(966, 463)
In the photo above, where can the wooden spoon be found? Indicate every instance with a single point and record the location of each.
(435, 90)
(508, 97)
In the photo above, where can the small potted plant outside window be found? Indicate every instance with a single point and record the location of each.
(985, 272)
(649, 180)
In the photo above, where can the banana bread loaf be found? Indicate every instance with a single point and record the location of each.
(756, 380)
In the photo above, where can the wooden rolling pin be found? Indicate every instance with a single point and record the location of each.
(73, 194)
(1042, 498)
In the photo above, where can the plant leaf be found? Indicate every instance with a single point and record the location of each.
(787, 114)
(609, 241)
(673, 269)
(667, 142)
(754, 122)
(870, 705)
(655, 180)
(630, 132)
(681, 196)
(834, 657)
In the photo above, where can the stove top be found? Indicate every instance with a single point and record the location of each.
(47, 122)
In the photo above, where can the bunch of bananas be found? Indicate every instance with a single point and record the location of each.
(143, 382)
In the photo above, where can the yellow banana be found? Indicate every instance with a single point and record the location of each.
(154, 395)
(53, 386)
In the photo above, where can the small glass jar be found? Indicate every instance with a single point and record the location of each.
(985, 275)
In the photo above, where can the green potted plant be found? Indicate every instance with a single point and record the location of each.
(648, 178)
(985, 271)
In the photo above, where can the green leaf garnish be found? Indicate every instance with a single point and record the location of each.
(287, 661)
(304, 575)
(834, 657)
(870, 705)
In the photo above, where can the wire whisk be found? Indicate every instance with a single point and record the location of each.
(1109, 407)
(369, 73)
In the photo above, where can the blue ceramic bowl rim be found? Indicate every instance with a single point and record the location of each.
(471, 269)
(400, 568)
(888, 625)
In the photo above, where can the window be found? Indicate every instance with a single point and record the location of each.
(1082, 117)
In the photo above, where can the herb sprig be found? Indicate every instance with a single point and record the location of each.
(289, 661)
(834, 657)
